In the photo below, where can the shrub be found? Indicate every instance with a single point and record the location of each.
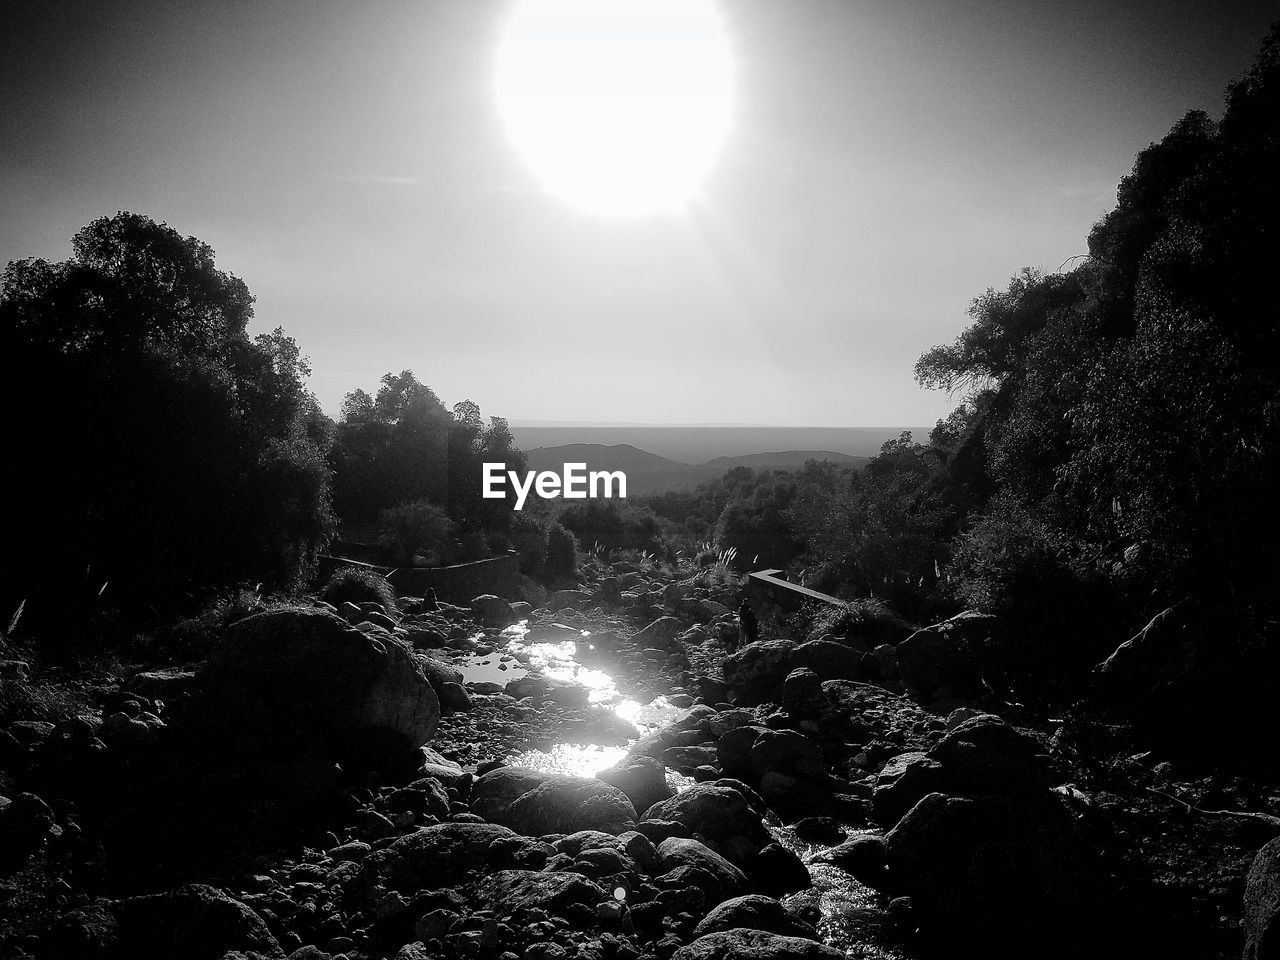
(413, 528)
(562, 553)
(358, 585)
(529, 539)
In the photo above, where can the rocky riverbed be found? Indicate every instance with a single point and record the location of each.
(597, 777)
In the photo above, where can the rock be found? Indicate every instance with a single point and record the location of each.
(902, 782)
(802, 693)
(454, 698)
(938, 657)
(999, 871)
(559, 599)
(744, 944)
(367, 696)
(496, 790)
(985, 755)
(570, 804)
(755, 673)
(642, 779)
(658, 634)
(435, 856)
(734, 748)
(754, 912)
(687, 759)
(712, 811)
(865, 857)
(1261, 915)
(512, 893)
(492, 611)
(828, 659)
(195, 922)
(775, 870)
(350, 852)
(785, 751)
(819, 830)
(724, 878)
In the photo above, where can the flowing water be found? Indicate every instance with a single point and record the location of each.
(849, 911)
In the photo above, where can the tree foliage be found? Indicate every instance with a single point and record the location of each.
(161, 453)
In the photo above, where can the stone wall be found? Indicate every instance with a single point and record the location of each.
(461, 582)
(772, 595)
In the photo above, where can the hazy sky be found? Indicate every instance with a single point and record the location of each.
(885, 163)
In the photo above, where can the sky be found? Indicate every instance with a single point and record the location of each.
(881, 164)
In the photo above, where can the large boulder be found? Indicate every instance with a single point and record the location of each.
(517, 893)
(755, 912)
(435, 856)
(785, 751)
(716, 876)
(745, 944)
(570, 804)
(492, 611)
(495, 791)
(195, 922)
(903, 781)
(938, 660)
(755, 673)
(367, 697)
(828, 659)
(985, 755)
(1261, 917)
(658, 634)
(642, 779)
(994, 873)
(713, 811)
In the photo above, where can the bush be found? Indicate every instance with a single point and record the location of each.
(359, 585)
(413, 528)
(529, 539)
(562, 553)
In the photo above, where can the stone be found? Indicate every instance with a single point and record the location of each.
(1260, 919)
(367, 696)
(492, 611)
(710, 810)
(785, 751)
(435, 856)
(724, 878)
(643, 779)
(570, 804)
(658, 634)
(754, 912)
(828, 659)
(802, 693)
(454, 698)
(865, 857)
(495, 791)
(903, 781)
(197, 922)
(755, 673)
(775, 870)
(513, 893)
(986, 755)
(745, 944)
(734, 748)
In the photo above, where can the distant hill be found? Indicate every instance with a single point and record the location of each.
(697, 444)
(647, 473)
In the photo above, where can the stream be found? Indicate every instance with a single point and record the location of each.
(849, 912)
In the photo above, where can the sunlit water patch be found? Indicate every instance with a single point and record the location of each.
(575, 759)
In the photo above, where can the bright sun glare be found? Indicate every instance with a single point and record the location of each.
(617, 106)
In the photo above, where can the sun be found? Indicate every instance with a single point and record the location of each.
(619, 107)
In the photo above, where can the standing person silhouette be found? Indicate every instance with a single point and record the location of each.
(748, 628)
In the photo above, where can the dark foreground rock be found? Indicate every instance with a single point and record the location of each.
(195, 922)
(366, 697)
(744, 944)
